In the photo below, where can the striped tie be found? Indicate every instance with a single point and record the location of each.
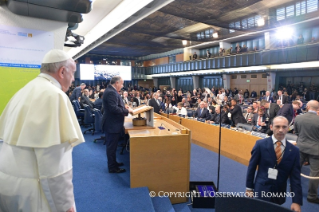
(278, 151)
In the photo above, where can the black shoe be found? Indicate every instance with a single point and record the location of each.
(313, 200)
(117, 170)
(120, 164)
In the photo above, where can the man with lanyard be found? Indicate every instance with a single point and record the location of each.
(277, 160)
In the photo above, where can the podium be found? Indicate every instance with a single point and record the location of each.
(160, 156)
(147, 120)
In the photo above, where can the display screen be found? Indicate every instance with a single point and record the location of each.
(104, 72)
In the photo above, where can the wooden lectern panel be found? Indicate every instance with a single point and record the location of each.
(161, 163)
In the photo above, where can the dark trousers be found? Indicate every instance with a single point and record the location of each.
(111, 146)
(314, 172)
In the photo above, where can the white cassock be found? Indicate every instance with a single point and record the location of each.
(38, 130)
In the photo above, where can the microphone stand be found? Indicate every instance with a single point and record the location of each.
(219, 145)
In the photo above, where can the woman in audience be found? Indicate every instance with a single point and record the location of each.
(180, 109)
(173, 101)
(179, 96)
(189, 100)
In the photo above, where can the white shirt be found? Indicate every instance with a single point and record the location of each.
(182, 111)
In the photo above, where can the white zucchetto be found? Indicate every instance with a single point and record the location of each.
(55, 55)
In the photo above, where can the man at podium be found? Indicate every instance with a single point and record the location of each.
(113, 121)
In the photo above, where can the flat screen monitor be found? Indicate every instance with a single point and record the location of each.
(104, 72)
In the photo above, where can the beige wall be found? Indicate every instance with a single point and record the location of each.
(146, 84)
(256, 84)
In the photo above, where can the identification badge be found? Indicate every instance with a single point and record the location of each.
(272, 173)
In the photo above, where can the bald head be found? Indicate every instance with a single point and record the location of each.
(313, 105)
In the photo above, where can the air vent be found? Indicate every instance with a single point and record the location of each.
(253, 76)
(234, 76)
(243, 76)
(264, 76)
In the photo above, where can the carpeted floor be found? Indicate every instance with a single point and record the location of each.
(97, 190)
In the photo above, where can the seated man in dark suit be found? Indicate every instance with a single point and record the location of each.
(137, 99)
(85, 99)
(219, 115)
(249, 115)
(98, 103)
(202, 112)
(271, 110)
(259, 121)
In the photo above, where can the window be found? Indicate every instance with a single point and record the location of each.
(251, 22)
(297, 9)
(237, 25)
(264, 76)
(231, 26)
(257, 17)
(253, 76)
(300, 8)
(234, 76)
(290, 11)
(243, 76)
(205, 34)
(280, 13)
(312, 5)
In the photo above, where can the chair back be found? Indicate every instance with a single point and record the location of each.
(247, 127)
(291, 137)
(97, 119)
(77, 108)
(88, 115)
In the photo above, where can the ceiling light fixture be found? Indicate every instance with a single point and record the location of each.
(215, 35)
(261, 22)
(184, 42)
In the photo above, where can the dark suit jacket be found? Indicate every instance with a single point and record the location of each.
(215, 118)
(86, 100)
(136, 101)
(237, 115)
(286, 111)
(269, 99)
(203, 115)
(307, 129)
(284, 99)
(114, 111)
(253, 94)
(263, 155)
(154, 104)
(98, 104)
(76, 94)
(273, 110)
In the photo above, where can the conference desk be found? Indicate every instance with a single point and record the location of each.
(160, 158)
(234, 145)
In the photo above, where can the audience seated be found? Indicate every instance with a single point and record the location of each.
(202, 112)
(259, 121)
(98, 103)
(85, 99)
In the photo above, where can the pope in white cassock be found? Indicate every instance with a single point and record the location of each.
(38, 130)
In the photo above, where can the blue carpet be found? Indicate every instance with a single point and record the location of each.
(97, 190)
(162, 204)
